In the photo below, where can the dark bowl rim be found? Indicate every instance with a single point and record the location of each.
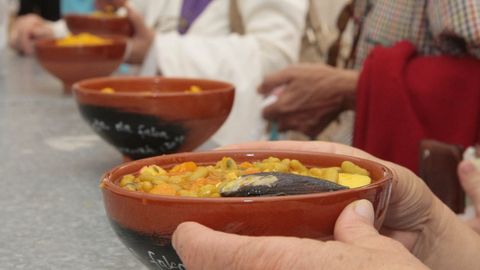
(108, 184)
(83, 16)
(80, 87)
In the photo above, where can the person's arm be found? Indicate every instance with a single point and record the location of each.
(25, 30)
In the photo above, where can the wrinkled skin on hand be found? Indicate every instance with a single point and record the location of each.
(411, 201)
(357, 245)
(314, 95)
(26, 30)
(415, 217)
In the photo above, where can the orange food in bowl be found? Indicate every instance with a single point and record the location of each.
(83, 39)
(192, 89)
(189, 179)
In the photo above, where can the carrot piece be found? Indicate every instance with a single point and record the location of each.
(245, 165)
(189, 166)
(164, 189)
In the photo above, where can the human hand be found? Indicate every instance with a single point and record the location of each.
(469, 176)
(357, 245)
(26, 30)
(314, 94)
(415, 217)
(142, 39)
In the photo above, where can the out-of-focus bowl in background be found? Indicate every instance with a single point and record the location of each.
(73, 63)
(145, 222)
(150, 116)
(99, 25)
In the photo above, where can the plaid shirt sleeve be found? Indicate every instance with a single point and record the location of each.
(433, 26)
(455, 25)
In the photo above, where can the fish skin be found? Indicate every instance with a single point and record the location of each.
(287, 184)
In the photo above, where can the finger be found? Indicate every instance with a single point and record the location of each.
(276, 79)
(469, 176)
(196, 246)
(355, 226)
(137, 21)
(355, 223)
(316, 121)
(298, 121)
(202, 248)
(36, 33)
(272, 112)
(26, 41)
(310, 121)
(288, 101)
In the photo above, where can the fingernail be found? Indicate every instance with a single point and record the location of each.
(468, 168)
(364, 209)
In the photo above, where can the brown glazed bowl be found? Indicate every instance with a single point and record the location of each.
(145, 222)
(115, 25)
(74, 63)
(150, 116)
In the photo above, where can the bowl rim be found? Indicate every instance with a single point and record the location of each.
(107, 183)
(81, 88)
(117, 40)
(83, 16)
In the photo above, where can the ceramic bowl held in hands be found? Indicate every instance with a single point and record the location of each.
(149, 116)
(74, 63)
(99, 25)
(145, 222)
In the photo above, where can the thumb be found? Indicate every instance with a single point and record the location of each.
(202, 248)
(355, 223)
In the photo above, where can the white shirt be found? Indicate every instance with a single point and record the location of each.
(273, 31)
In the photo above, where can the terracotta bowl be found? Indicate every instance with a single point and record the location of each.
(150, 116)
(74, 63)
(80, 23)
(145, 222)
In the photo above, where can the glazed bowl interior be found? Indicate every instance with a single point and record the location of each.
(99, 25)
(149, 116)
(145, 222)
(73, 63)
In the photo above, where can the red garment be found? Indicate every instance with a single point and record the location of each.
(403, 98)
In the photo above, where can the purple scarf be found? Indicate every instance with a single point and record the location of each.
(191, 9)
